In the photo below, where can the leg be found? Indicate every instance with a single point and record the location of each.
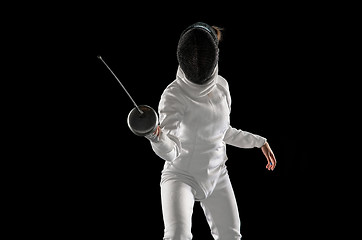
(177, 207)
(221, 211)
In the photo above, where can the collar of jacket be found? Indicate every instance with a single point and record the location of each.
(196, 90)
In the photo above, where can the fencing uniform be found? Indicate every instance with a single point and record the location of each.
(195, 125)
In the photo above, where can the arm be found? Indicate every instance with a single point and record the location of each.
(164, 141)
(243, 139)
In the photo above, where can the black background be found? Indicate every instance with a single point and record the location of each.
(100, 180)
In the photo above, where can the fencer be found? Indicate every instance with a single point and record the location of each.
(194, 128)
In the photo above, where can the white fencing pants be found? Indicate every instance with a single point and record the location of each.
(220, 209)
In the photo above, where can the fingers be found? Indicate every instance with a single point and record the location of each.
(158, 131)
(269, 155)
(271, 161)
(269, 164)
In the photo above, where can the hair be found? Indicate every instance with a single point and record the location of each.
(218, 32)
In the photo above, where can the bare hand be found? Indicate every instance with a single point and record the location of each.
(268, 153)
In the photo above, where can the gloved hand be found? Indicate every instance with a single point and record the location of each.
(155, 136)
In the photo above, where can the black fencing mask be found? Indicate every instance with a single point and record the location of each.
(198, 52)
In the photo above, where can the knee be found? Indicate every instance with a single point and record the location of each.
(179, 232)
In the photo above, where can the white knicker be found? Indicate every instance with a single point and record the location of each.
(178, 196)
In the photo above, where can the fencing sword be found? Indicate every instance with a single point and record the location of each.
(129, 95)
(142, 119)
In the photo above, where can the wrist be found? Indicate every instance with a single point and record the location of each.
(155, 136)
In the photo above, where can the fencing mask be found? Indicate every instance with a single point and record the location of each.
(198, 52)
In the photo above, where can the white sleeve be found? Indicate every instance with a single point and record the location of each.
(243, 139)
(170, 114)
(167, 147)
(237, 137)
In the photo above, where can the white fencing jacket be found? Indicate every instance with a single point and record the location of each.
(195, 123)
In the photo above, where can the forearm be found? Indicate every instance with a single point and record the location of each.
(166, 147)
(243, 139)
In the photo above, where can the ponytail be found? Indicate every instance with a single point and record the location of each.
(218, 32)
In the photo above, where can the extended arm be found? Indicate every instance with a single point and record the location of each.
(164, 140)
